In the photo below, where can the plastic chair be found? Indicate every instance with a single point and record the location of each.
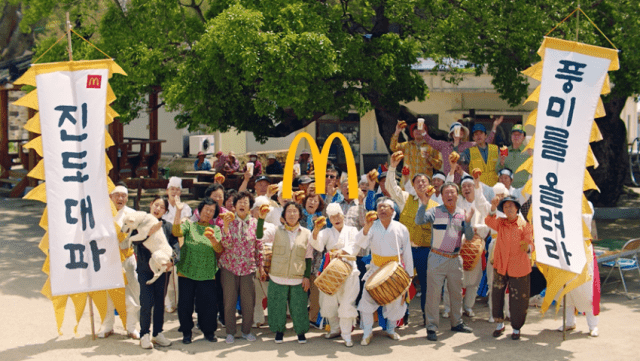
(625, 263)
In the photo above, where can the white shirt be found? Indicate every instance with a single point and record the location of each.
(171, 213)
(392, 241)
(332, 240)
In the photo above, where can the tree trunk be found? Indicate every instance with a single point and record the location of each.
(387, 124)
(612, 156)
(13, 42)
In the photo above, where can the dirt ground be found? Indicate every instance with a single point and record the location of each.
(29, 328)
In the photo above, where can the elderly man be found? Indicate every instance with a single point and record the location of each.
(120, 196)
(515, 156)
(339, 308)
(483, 155)
(388, 241)
(472, 197)
(449, 223)
(420, 236)
(273, 166)
(418, 161)
(174, 190)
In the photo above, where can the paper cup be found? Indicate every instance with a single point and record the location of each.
(250, 167)
(456, 131)
(420, 123)
(296, 168)
(423, 151)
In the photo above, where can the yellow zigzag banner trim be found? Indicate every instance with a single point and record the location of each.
(527, 165)
(111, 96)
(44, 220)
(111, 115)
(38, 171)
(79, 302)
(108, 141)
(535, 71)
(35, 144)
(38, 193)
(600, 112)
(586, 209)
(595, 136)
(528, 187)
(30, 100)
(532, 118)
(586, 234)
(28, 78)
(606, 87)
(45, 265)
(534, 97)
(33, 124)
(531, 143)
(591, 159)
(588, 182)
(44, 243)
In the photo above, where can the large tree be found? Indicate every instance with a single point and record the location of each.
(274, 66)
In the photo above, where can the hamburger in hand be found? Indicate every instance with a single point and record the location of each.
(371, 216)
(320, 222)
(476, 173)
(454, 157)
(373, 175)
(402, 124)
(397, 156)
(219, 178)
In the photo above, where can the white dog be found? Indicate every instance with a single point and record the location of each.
(157, 243)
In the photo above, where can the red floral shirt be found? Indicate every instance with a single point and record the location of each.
(242, 253)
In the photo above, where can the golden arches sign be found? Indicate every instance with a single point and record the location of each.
(320, 164)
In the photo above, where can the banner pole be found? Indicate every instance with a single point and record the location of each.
(578, 21)
(564, 317)
(69, 40)
(93, 326)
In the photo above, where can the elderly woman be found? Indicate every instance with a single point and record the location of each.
(313, 208)
(290, 270)
(339, 308)
(511, 262)
(197, 270)
(152, 296)
(241, 259)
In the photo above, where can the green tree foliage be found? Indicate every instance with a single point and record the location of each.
(274, 66)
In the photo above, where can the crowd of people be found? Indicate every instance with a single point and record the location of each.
(453, 219)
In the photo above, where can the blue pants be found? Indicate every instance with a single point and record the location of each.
(420, 256)
(151, 297)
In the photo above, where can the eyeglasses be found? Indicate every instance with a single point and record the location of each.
(331, 176)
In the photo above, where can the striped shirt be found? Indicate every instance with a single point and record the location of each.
(446, 234)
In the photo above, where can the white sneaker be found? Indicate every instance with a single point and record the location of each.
(491, 319)
(145, 342)
(230, 339)
(105, 333)
(249, 337)
(134, 334)
(160, 340)
(366, 339)
(394, 336)
(170, 309)
(469, 312)
(348, 342)
(330, 335)
(567, 328)
(594, 332)
(445, 314)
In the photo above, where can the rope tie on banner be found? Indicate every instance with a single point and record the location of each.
(588, 18)
(80, 36)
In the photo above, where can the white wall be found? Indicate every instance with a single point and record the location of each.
(629, 116)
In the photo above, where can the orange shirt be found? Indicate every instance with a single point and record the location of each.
(509, 259)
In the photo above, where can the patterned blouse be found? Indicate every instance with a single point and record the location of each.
(242, 251)
(446, 147)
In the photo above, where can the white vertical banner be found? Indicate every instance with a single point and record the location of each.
(569, 94)
(83, 247)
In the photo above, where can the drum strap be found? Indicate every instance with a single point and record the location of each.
(381, 260)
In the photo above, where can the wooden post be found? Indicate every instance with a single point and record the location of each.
(154, 148)
(33, 156)
(5, 161)
(68, 27)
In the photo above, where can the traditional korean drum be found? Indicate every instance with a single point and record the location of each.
(267, 253)
(388, 283)
(471, 252)
(333, 276)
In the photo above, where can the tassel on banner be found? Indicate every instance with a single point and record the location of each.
(80, 303)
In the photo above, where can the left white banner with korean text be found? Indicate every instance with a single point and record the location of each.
(83, 247)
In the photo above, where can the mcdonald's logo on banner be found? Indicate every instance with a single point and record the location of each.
(320, 164)
(94, 81)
